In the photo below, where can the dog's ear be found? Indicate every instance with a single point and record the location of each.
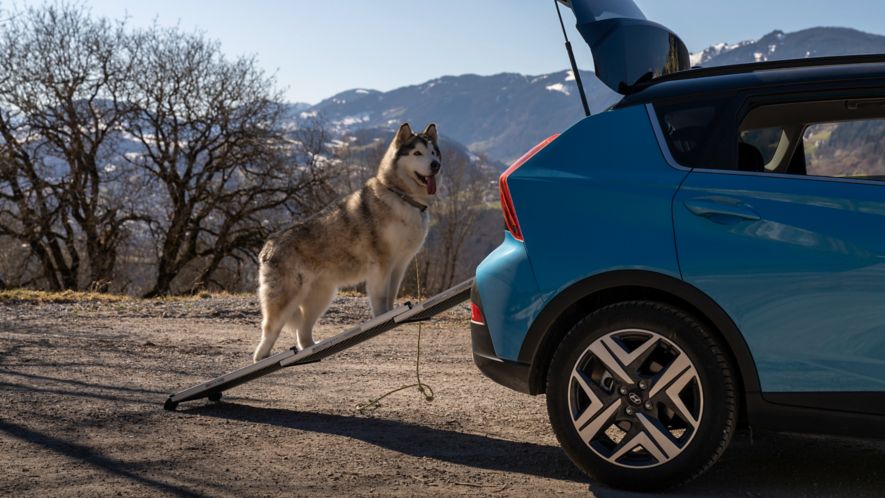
(430, 132)
(404, 133)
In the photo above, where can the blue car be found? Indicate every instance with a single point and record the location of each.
(707, 254)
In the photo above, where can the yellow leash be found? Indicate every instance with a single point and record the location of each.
(423, 388)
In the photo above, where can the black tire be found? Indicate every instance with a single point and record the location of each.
(708, 398)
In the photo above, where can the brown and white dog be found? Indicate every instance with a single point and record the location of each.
(370, 236)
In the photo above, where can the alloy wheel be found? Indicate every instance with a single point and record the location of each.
(635, 398)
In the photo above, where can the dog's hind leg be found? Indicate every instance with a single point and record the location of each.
(293, 324)
(312, 308)
(277, 308)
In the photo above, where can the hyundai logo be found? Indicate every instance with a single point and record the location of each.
(634, 398)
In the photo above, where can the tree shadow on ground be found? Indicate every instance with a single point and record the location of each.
(415, 440)
(772, 465)
(93, 457)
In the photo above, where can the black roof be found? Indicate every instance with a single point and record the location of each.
(727, 79)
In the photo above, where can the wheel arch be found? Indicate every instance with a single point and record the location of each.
(595, 292)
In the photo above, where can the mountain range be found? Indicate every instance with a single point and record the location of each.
(503, 115)
(777, 45)
(493, 115)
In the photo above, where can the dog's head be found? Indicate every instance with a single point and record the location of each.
(415, 160)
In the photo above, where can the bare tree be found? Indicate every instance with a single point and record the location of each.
(31, 213)
(316, 160)
(464, 193)
(62, 75)
(210, 137)
(152, 148)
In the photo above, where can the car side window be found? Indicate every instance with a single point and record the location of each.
(839, 138)
(852, 149)
(698, 131)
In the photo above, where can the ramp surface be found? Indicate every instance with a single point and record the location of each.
(408, 313)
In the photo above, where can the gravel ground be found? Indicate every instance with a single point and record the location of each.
(82, 386)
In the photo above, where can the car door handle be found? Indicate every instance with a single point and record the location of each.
(712, 208)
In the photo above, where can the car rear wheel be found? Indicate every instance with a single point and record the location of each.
(641, 396)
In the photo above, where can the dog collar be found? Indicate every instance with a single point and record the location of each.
(409, 200)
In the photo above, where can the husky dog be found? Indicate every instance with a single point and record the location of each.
(370, 236)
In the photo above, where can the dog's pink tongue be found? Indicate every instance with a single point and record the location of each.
(431, 185)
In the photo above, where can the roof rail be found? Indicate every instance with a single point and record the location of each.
(701, 72)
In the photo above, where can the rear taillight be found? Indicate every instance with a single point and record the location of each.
(509, 211)
(476, 314)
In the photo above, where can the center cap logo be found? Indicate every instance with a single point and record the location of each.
(634, 398)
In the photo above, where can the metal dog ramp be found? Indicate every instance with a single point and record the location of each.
(406, 313)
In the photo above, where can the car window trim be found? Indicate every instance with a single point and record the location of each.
(671, 161)
(661, 139)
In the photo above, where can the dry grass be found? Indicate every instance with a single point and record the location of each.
(68, 296)
(28, 295)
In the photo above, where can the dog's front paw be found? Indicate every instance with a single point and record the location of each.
(305, 345)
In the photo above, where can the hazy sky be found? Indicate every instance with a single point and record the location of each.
(318, 48)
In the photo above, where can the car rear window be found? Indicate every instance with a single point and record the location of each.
(697, 132)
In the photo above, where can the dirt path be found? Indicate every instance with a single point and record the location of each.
(82, 387)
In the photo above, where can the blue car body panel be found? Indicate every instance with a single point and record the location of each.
(506, 281)
(805, 283)
(620, 194)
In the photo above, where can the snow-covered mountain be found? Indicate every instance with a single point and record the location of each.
(777, 45)
(703, 57)
(504, 115)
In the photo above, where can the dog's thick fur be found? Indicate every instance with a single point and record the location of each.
(370, 236)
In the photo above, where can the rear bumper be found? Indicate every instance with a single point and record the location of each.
(507, 373)
(512, 374)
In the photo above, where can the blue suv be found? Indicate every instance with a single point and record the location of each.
(706, 254)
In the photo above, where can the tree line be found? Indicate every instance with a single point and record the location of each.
(146, 161)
